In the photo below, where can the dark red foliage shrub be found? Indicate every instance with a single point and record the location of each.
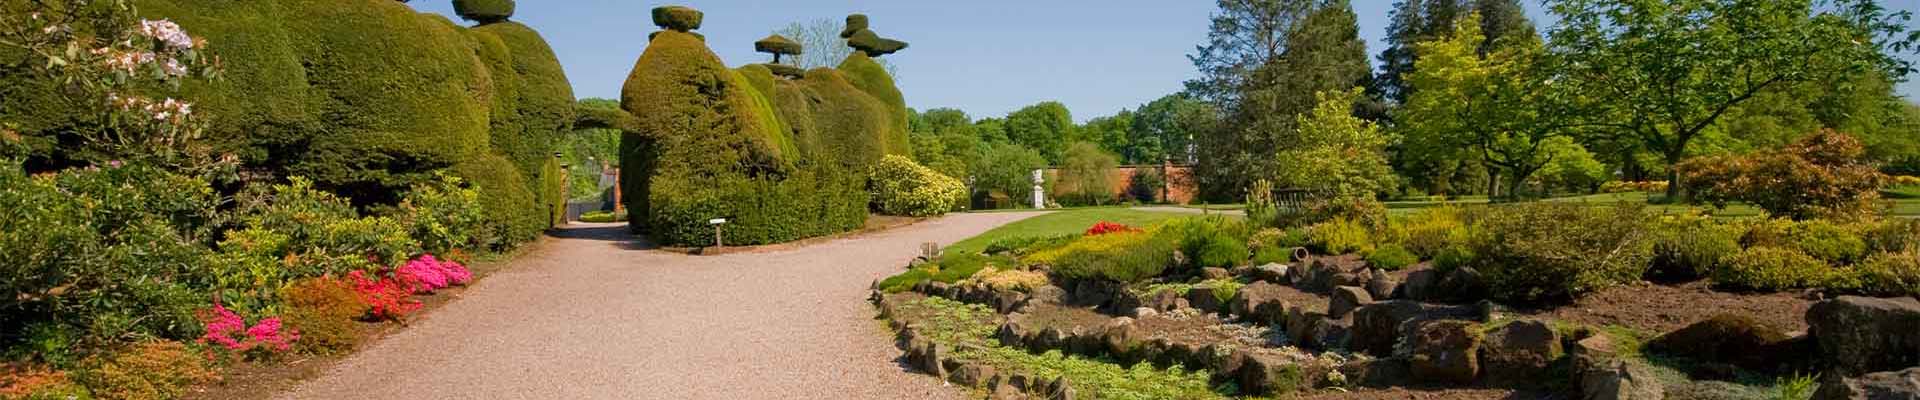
(1822, 175)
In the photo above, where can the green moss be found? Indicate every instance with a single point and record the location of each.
(864, 73)
(677, 18)
(484, 11)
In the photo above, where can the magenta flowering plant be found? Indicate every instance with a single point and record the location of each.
(427, 274)
(228, 330)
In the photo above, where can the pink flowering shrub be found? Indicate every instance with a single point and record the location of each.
(229, 330)
(389, 298)
(428, 274)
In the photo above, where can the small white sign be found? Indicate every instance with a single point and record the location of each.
(717, 221)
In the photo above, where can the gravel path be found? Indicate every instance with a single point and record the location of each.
(590, 316)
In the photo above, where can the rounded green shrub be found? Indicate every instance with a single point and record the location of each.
(1688, 249)
(1452, 257)
(677, 18)
(1433, 229)
(484, 11)
(873, 79)
(1892, 235)
(1556, 252)
(903, 187)
(1828, 241)
(1888, 275)
(1392, 257)
(1771, 269)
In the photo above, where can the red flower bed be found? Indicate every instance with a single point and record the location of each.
(1105, 227)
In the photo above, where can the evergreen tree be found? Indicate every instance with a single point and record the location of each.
(1416, 21)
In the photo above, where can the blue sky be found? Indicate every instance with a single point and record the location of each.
(987, 57)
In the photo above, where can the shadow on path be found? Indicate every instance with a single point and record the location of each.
(614, 232)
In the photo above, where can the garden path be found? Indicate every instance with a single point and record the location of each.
(590, 315)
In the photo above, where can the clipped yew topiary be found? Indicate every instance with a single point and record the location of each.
(677, 18)
(855, 24)
(786, 71)
(778, 46)
(484, 11)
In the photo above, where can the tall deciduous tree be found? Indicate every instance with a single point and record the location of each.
(1662, 72)
(1417, 21)
(1500, 106)
(1083, 177)
(1046, 127)
(1336, 153)
(1112, 133)
(1164, 129)
(824, 47)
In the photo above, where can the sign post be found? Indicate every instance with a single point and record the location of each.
(717, 222)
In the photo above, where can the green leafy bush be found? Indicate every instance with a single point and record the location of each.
(1433, 229)
(1888, 275)
(1211, 242)
(1771, 269)
(1551, 251)
(1341, 236)
(1828, 241)
(1453, 257)
(1892, 235)
(1688, 248)
(1391, 257)
(444, 216)
(903, 187)
(153, 370)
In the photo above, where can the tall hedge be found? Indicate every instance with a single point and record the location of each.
(868, 75)
(366, 98)
(782, 159)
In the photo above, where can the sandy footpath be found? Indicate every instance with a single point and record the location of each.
(590, 316)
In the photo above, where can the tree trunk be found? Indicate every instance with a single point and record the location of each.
(1674, 189)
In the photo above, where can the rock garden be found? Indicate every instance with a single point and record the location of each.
(1515, 301)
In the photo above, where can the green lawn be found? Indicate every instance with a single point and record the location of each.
(1064, 222)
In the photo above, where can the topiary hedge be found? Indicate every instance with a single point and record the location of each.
(484, 11)
(710, 142)
(677, 18)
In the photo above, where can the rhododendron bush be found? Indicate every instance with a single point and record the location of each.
(427, 274)
(227, 329)
(389, 298)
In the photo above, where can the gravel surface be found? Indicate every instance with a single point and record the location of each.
(593, 316)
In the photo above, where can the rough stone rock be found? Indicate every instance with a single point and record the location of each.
(1203, 298)
(1165, 300)
(1096, 292)
(1318, 276)
(1260, 303)
(1007, 301)
(1243, 271)
(1060, 390)
(1302, 325)
(1355, 279)
(1011, 333)
(1345, 300)
(973, 375)
(1463, 284)
(1211, 273)
(1378, 372)
(1382, 286)
(1620, 380)
(1049, 294)
(1271, 272)
(1726, 338)
(1379, 326)
(1144, 312)
(1861, 334)
(1269, 375)
(1892, 385)
(938, 288)
(925, 355)
(1225, 357)
(1120, 336)
(1519, 350)
(1420, 284)
(1447, 352)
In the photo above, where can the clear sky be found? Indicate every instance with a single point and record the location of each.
(986, 57)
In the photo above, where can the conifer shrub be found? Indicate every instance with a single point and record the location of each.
(151, 370)
(484, 11)
(1341, 236)
(1121, 257)
(1771, 269)
(1433, 229)
(1556, 252)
